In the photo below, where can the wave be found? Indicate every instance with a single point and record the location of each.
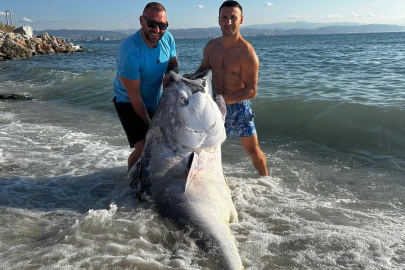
(341, 125)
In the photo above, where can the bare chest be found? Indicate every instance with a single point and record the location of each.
(225, 62)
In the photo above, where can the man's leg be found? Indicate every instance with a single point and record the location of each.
(136, 154)
(251, 145)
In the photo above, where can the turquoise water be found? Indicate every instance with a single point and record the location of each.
(330, 114)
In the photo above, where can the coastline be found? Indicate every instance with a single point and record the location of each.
(22, 44)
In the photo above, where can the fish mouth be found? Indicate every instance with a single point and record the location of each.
(207, 130)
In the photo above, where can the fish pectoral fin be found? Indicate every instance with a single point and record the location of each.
(134, 175)
(139, 183)
(193, 167)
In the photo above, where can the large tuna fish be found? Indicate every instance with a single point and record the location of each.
(181, 169)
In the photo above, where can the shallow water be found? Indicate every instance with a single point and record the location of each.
(331, 121)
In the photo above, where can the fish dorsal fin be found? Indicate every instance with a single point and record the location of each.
(193, 168)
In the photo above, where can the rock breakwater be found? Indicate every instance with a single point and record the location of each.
(21, 43)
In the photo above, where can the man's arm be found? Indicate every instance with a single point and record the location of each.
(249, 75)
(134, 94)
(173, 65)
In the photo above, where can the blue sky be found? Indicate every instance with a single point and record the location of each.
(124, 14)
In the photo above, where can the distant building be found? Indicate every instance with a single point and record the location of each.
(100, 38)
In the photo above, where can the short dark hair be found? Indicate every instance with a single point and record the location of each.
(156, 6)
(231, 3)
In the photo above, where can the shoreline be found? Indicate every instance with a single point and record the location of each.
(22, 44)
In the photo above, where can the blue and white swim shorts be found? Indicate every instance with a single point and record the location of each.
(239, 120)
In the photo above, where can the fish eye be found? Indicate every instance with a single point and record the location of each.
(184, 101)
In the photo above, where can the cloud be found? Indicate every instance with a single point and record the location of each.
(268, 4)
(2, 13)
(370, 14)
(297, 17)
(377, 17)
(25, 19)
(60, 21)
(47, 22)
(201, 6)
(354, 15)
(333, 16)
(394, 18)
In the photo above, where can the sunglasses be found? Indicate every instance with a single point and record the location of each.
(152, 24)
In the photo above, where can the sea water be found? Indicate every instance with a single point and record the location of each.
(330, 115)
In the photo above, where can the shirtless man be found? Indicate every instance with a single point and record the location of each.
(235, 68)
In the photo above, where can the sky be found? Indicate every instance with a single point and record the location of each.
(181, 14)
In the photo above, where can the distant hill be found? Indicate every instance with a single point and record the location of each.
(298, 25)
(83, 34)
(296, 28)
(369, 28)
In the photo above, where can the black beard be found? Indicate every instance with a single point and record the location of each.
(147, 35)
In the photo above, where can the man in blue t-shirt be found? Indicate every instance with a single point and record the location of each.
(144, 61)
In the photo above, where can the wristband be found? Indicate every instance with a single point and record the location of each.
(175, 69)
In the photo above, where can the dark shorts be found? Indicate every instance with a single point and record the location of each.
(239, 120)
(134, 127)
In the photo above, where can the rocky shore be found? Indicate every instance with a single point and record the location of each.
(21, 43)
(14, 97)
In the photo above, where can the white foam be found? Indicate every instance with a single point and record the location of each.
(41, 149)
(65, 204)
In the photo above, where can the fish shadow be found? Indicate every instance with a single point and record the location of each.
(72, 193)
(62, 203)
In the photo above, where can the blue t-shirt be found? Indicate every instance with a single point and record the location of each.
(135, 59)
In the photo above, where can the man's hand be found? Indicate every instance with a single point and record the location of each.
(134, 94)
(166, 80)
(172, 66)
(188, 76)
